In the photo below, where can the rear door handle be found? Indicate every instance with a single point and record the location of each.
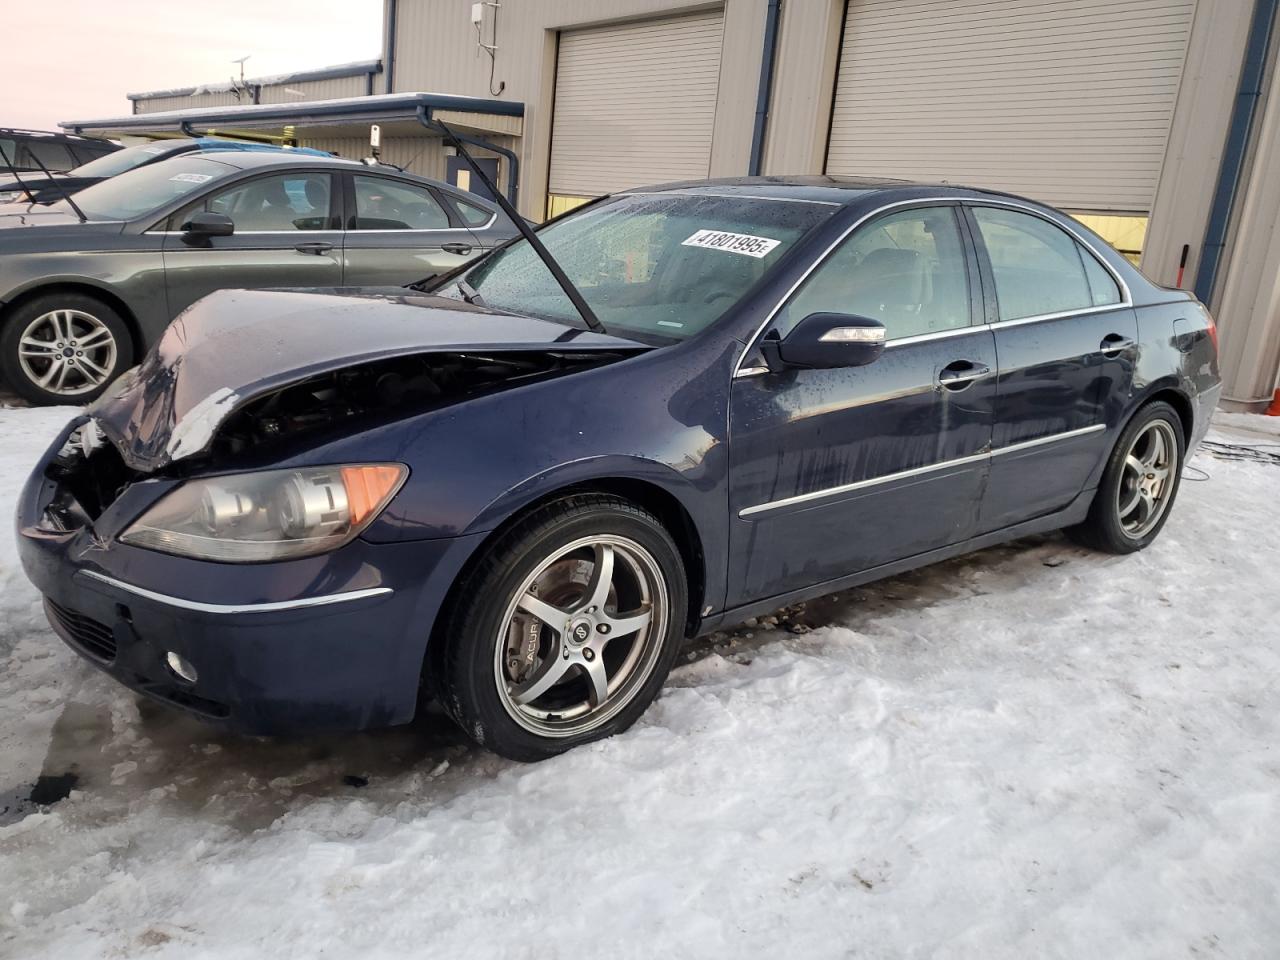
(461, 249)
(960, 374)
(316, 248)
(1114, 344)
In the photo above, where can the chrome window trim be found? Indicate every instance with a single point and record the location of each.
(1126, 301)
(458, 201)
(304, 233)
(255, 233)
(493, 218)
(936, 335)
(225, 608)
(958, 331)
(748, 512)
(410, 230)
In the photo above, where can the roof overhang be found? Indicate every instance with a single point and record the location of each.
(395, 113)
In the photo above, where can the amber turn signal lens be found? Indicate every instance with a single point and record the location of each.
(369, 488)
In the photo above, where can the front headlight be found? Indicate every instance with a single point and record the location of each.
(8, 196)
(272, 515)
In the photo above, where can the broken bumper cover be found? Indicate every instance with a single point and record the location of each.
(328, 643)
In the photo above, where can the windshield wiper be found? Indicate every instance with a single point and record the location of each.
(61, 189)
(470, 293)
(14, 170)
(575, 296)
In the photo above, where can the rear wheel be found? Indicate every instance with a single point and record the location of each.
(565, 631)
(63, 348)
(1139, 484)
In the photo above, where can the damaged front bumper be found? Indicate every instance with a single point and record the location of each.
(325, 643)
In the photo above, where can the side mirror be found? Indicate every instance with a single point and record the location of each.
(825, 341)
(204, 225)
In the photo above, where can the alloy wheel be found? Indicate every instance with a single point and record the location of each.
(67, 352)
(581, 636)
(1147, 480)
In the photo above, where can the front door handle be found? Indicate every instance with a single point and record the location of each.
(315, 248)
(960, 374)
(461, 249)
(1114, 344)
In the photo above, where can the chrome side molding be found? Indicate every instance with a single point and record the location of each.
(748, 512)
(301, 603)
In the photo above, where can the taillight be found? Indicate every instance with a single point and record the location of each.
(1213, 330)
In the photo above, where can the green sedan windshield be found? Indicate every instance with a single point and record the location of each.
(144, 189)
(661, 265)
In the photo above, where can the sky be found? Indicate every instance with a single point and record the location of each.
(89, 53)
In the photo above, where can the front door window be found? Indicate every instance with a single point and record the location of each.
(906, 269)
(278, 204)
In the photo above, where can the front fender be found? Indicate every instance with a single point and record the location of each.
(582, 472)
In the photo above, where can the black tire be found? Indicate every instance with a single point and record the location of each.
(1104, 529)
(462, 672)
(111, 351)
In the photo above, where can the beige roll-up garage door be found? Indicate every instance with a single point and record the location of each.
(1066, 101)
(634, 104)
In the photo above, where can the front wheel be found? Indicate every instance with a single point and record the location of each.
(63, 348)
(565, 631)
(1139, 483)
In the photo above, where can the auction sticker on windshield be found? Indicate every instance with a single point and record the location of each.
(192, 177)
(743, 243)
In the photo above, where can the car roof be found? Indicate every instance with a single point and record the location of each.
(51, 135)
(252, 159)
(839, 191)
(266, 159)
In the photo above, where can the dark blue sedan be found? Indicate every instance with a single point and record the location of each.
(306, 511)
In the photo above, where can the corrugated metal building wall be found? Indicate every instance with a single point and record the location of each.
(158, 103)
(435, 49)
(1070, 103)
(328, 83)
(1119, 109)
(659, 78)
(1093, 106)
(331, 89)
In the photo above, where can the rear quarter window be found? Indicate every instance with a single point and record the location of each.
(472, 214)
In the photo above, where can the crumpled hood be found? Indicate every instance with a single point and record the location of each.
(236, 345)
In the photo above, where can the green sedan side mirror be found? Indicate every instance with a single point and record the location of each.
(203, 225)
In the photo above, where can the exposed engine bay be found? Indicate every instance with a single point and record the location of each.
(92, 473)
(387, 389)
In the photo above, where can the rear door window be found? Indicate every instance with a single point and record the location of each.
(1039, 268)
(385, 204)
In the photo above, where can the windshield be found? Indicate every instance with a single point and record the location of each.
(143, 189)
(663, 265)
(116, 163)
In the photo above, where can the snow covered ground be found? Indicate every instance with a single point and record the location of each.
(1036, 751)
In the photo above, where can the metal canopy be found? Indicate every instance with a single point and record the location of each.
(316, 117)
(405, 114)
